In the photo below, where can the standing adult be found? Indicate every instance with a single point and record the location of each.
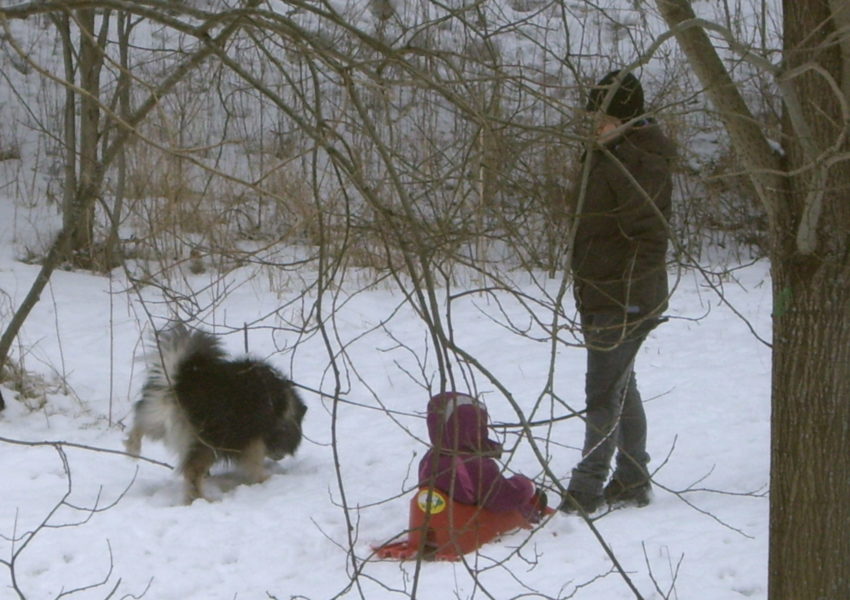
(620, 285)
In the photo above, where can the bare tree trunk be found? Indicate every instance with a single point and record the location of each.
(746, 133)
(810, 470)
(69, 136)
(90, 64)
(810, 258)
(810, 467)
(111, 252)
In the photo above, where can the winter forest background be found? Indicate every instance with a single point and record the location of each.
(373, 196)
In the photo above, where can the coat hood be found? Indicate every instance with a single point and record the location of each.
(458, 423)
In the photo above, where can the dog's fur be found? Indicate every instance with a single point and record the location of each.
(207, 408)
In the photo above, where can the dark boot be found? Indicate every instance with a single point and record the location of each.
(574, 501)
(617, 493)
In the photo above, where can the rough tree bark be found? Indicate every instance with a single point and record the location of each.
(810, 264)
(810, 472)
(91, 52)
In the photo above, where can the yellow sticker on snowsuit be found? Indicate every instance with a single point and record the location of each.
(431, 501)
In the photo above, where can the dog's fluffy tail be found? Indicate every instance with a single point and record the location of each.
(158, 414)
(177, 346)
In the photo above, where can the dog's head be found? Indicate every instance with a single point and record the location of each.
(284, 435)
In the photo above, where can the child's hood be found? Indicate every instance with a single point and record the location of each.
(458, 422)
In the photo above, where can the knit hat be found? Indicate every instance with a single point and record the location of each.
(625, 103)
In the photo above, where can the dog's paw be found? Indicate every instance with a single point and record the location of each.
(257, 475)
(189, 500)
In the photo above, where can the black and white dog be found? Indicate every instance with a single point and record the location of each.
(206, 407)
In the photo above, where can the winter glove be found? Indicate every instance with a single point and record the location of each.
(539, 502)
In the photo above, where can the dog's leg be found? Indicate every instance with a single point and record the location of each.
(251, 460)
(198, 461)
(133, 443)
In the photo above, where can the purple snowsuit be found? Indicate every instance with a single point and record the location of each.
(461, 461)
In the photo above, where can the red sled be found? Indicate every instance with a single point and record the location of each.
(442, 529)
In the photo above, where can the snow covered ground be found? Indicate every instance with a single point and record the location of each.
(301, 534)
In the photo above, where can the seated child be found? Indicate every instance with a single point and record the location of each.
(462, 460)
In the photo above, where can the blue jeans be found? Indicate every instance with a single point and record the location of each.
(615, 419)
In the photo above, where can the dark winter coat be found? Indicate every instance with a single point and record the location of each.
(619, 256)
(461, 461)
